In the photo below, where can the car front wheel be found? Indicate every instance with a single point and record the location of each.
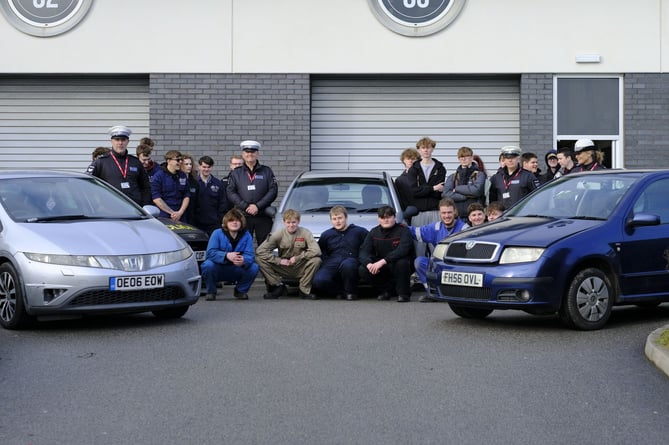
(12, 312)
(469, 312)
(587, 305)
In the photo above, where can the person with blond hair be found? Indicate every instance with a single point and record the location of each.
(299, 257)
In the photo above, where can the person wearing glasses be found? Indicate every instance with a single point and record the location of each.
(121, 169)
(252, 188)
(169, 188)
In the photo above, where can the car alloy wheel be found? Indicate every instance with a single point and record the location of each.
(12, 312)
(587, 305)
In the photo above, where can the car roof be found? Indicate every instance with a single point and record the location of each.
(13, 174)
(369, 174)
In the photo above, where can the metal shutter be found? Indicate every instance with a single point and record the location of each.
(55, 122)
(363, 122)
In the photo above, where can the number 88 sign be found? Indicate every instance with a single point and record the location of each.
(416, 17)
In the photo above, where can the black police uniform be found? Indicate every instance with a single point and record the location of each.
(259, 187)
(124, 172)
(508, 189)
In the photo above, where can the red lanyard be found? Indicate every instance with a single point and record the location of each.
(508, 183)
(251, 178)
(593, 166)
(124, 171)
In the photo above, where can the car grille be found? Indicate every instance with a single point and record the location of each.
(471, 293)
(471, 251)
(101, 297)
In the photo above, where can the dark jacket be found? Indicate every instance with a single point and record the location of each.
(134, 183)
(403, 186)
(257, 186)
(389, 244)
(465, 186)
(212, 203)
(424, 197)
(589, 167)
(171, 188)
(510, 189)
(337, 245)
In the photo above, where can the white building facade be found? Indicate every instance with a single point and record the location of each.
(323, 84)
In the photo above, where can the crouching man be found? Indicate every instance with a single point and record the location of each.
(340, 246)
(299, 257)
(230, 257)
(386, 257)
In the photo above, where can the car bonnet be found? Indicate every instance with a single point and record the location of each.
(527, 231)
(103, 237)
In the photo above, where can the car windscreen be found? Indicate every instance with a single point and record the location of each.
(357, 195)
(41, 199)
(588, 196)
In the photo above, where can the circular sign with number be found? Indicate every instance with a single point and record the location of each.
(416, 17)
(44, 18)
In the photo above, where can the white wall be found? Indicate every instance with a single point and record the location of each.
(343, 36)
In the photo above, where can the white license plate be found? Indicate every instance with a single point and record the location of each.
(137, 282)
(462, 279)
(200, 255)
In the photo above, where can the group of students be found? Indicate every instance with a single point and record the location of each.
(180, 193)
(386, 256)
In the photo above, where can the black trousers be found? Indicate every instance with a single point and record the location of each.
(260, 225)
(393, 278)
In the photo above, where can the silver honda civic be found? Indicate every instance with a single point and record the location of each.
(70, 244)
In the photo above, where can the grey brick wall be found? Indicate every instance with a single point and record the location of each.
(646, 120)
(212, 113)
(536, 114)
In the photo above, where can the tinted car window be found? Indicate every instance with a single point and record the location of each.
(586, 196)
(357, 196)
(32, 199)
(655, 200)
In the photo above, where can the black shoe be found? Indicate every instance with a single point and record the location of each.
(275, 292)
(425, 299)
(403, 299)
(383, 297)
(241, 295)
(307, 296)
(210, 297)
(341, 297)
(351, 297)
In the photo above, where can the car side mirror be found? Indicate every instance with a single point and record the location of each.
(270, 211)
(643, 219)
(152, 210)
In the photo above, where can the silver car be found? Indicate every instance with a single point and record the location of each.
(314, 193)
(72, 245)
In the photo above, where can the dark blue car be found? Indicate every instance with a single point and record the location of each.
(576, 247)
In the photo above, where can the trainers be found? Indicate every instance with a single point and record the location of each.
(403, 299)
(241, 295)
(210, 297)
(383, 297)
(425, 299)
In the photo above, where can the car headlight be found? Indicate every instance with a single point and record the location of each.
(440, 251)
(520, 255)
(130, 263)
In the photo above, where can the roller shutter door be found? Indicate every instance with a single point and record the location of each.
(55, 122)
(366, 122)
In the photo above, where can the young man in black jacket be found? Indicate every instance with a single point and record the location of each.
(386, 257)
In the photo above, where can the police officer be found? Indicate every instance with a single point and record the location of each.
(122, 170)
(252, 188)
(589, 157)
(511, 182)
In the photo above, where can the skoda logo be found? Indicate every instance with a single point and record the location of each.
(470, 245)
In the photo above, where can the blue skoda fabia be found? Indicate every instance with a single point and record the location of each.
(576, 247)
